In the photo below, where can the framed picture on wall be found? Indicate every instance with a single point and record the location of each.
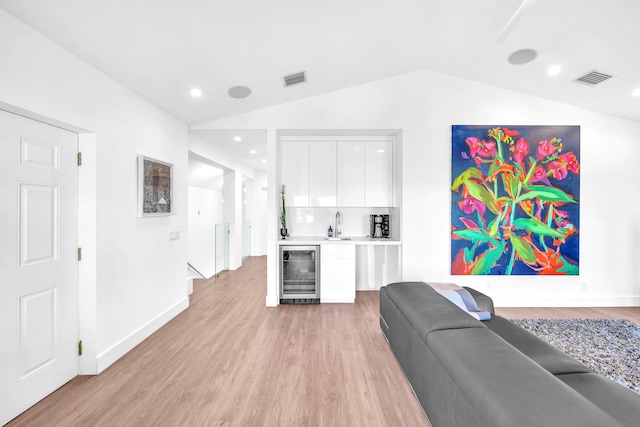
(515, 200)
(155, 187)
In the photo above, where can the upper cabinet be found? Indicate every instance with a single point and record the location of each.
(378, 176)
(338, 174)
(295, 172)
(322, 173)
(350, 174)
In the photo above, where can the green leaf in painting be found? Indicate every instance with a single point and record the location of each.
(468, 254)
(535, 226)
(486, 261)
(481, 193)
(465, 177)
(523, 249)
(569, 269)
(542, 192)
(474, 236)
(510, 184)
(493, 226)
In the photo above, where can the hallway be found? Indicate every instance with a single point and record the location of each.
(229, 360)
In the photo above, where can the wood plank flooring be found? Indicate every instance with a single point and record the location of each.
(230, 361)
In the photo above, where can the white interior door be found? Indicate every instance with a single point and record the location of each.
(38, 261)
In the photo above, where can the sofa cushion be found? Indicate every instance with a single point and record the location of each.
(505, 387)
(618, 401)
(426, 310)
(543, 353)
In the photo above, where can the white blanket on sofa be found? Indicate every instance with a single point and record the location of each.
(462, 298)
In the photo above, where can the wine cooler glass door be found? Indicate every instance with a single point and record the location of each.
(299, 272)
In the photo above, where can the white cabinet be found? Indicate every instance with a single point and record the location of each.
(350, 174)
(378, 166)
(342, 174)
(294, 167)
(337, 273)
(322, 174)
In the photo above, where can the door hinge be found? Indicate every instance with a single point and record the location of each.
(80, 348)
(79, 254)
(79, 159)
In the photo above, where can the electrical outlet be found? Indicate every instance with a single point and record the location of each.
(174, 235)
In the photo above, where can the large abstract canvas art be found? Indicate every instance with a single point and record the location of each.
(515, 200)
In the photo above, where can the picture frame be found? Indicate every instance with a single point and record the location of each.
(515, 200)
(155, 187)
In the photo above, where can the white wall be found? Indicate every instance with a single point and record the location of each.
(205, 211)
(233, 198)
(259, 219)
(232, 210)
(315, 221)
(139, 281)
(424, 105)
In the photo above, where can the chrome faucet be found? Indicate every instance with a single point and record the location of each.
(336, 228)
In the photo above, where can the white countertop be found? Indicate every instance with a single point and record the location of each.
(321, 240)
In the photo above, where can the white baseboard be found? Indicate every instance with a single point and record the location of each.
(337, 300)
(272, 300)
(566, 301)
(108, 357)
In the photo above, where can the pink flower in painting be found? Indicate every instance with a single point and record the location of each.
(469, 223)
(559, 220)
(473, 144)
(539, 174)
(521, 150)
(470, 204)
(488, 149)
(558, 170)
(538, 213)
(478, 160)
(571, 161)
(545, 148)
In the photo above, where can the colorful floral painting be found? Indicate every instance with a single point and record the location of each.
(515, 200)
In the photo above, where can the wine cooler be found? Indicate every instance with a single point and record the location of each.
(299, 274)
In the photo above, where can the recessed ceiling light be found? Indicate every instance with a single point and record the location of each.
(253, 151)
(554, 70)
(636, 92)
(522, 56)
(263, 161)
(239, 92)
(237, 138)
(380, 151)
(196, 93)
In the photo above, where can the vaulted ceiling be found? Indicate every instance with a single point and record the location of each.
(163, 48)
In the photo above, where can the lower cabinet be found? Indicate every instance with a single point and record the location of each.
(337, 273)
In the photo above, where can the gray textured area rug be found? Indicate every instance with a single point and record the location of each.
(610, 347)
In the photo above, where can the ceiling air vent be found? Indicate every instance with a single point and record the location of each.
(593, 78)
(294, 79)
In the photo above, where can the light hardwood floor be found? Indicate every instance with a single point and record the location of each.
(228, 360)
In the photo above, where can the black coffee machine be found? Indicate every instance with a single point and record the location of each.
(379, 226)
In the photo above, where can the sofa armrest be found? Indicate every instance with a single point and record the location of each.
(485, 303)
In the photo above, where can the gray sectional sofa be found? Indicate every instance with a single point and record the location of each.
(472, 373)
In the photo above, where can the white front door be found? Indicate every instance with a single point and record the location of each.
(38, 261)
